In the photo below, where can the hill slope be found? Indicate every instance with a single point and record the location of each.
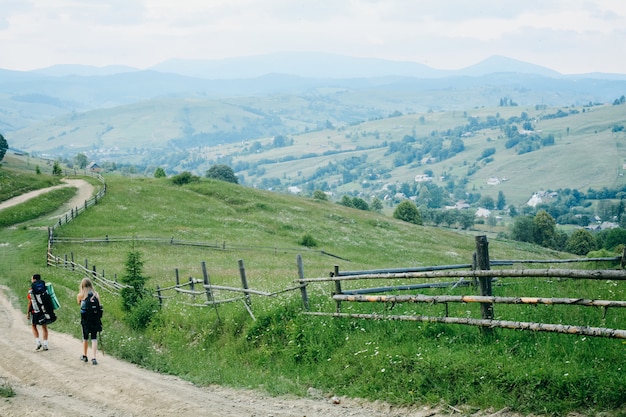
(282, 351)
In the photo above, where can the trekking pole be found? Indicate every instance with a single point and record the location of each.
(100, 343)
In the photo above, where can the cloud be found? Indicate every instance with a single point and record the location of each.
(443, 34)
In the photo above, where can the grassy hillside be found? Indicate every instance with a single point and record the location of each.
(327, 127)
(586, 154)
(18, 176)
(283, 351)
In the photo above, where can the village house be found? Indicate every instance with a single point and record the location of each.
(93, 167)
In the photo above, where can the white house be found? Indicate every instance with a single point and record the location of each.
(483, 212)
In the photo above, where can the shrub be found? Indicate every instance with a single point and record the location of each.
(308, 241)
(142, 313)
(581, 242)
(6, 390)
(222, 173)
(136, 300)
(320, 195)
(408, 212)
(185, 177)
(159, 173)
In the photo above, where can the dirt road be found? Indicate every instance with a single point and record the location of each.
(56, 383)
(85, 191)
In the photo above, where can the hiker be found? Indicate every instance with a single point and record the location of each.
(90, 317)
(36, 315)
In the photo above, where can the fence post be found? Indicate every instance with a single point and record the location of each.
(244, 281)
(337, 287)
(207, 283)
(72, 259)
(159, 295)
(209, 294)
(49, 250)
(191, 287)
(482, 261)
(305, 296)
(177, 278)
(623, 262)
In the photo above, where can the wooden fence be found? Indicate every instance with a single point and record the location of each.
(221, 246)
(111, 286)
(196, 292)
(200, 292)
(476, 274)
(481, 276)
(75, 211)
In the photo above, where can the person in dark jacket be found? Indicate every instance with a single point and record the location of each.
(35, 318)
(90, 323)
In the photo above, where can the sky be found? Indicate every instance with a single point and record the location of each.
(569, 36)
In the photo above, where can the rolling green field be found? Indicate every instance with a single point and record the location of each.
(586, 153)
(194, 133)
(280, 350)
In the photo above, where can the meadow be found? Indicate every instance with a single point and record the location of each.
(282, 351)
(586, 154)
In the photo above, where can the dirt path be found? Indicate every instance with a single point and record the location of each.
(85, 191)
(56, 383)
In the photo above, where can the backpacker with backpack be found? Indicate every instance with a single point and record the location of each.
(41, 303)
(91, 312)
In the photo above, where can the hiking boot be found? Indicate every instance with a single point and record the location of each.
(45, 347)
(39, 346)
(94, 361)
(84, 358)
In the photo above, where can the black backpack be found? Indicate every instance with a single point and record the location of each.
(92, 309)
(42, 303)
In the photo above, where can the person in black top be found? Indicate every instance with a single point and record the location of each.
(34, 315)
(90, 323)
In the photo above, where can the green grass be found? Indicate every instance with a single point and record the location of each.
(283, 351)
(17, 182)
(6, 390)
(36, 207)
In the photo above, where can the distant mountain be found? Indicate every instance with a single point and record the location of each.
(83, 70)
(302, 64)
(279, 93)
(500, 64)
(314, 65)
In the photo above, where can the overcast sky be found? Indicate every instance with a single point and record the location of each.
(569, 36)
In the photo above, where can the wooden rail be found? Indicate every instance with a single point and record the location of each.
(482, 276)
(489, 324)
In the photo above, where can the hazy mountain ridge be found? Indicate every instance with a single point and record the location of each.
(89, 88)
(317, 65)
